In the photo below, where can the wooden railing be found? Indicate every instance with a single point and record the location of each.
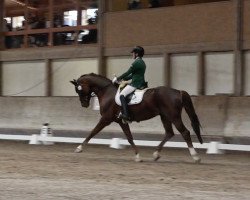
(66, 29)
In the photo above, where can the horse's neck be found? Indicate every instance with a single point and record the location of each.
(100, 86)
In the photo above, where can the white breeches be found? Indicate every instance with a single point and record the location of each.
(127, 90)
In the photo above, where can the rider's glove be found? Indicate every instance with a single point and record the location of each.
(114, 80)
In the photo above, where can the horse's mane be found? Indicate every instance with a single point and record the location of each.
(96, 75)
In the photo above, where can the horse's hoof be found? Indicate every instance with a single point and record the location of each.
(137, 158)
(78, 150)
(197, 160)
(156, 156)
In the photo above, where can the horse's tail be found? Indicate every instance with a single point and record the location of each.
(189, 107)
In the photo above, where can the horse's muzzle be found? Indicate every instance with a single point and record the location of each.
(85, 104)
(84, 101)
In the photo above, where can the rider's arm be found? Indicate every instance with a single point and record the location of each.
(127, 75)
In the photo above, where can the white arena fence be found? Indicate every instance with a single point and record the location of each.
(211, 147)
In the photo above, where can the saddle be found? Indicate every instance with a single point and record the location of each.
(133, 98)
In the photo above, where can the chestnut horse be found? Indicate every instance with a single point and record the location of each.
(163, 101)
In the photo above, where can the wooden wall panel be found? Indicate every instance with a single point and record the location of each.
(118, 5)
(246, 24)
(184, 2)
(2, 24)
(196, 23)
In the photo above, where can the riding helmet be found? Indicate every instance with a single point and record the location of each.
(139, 50)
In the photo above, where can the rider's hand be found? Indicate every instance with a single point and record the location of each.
(114, 80)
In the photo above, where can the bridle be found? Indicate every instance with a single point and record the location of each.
(87, 97)
(79, 91)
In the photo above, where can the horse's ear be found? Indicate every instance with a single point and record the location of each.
(74, 82)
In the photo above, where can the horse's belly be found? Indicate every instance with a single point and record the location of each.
(145, 115)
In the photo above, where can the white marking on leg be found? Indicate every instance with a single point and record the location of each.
(194, 154)
(137, 158)
(156, 155)
(78, 149)
(192, 151)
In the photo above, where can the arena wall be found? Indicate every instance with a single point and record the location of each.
(184, 74)
(247, 72)
(23, 75)
(246, 29)
(64, 70)
(31, 76)
(220, 116)
(184, 33)
(219, 73)
(178, 25)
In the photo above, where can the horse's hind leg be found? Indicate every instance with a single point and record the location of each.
(169, 133)
(127, 132)
(186, 135)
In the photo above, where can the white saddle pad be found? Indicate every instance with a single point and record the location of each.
(136, 98)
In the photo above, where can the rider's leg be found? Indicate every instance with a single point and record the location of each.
(127, 90)
(124, 114)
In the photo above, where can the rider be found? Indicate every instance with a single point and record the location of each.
(136, 73)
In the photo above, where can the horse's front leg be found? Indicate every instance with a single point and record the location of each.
(101, 124)
(127, 132)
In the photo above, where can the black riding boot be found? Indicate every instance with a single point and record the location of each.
(124, 114)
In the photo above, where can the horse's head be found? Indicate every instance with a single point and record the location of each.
(89, 84)
(83, 91)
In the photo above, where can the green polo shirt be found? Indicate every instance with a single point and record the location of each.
(136, 73)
